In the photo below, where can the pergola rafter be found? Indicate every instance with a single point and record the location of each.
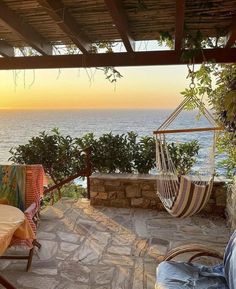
(179, 24)
(63, 18)
(6, 49)
(120, 20)
(42, 24)
(231, 37)
(220, 55)
(24, 30)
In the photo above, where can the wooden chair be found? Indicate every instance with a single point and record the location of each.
(5, 283)
(33, 192)
(175, 275)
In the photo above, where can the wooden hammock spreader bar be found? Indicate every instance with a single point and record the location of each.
(187, 130)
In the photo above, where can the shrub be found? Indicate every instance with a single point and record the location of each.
(59, 155)
(145, 155)
(71, 191)
(184, 155)
(124, 153)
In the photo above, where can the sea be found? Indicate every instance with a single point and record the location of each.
(18, 126)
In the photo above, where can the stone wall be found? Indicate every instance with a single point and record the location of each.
(139, 191)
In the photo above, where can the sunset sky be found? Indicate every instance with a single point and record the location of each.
(140, 87)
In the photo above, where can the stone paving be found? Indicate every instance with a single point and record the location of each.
(85, 247)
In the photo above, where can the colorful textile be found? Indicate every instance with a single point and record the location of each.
(35, 180)
(21, 185)
(24, 190)
(12, 185)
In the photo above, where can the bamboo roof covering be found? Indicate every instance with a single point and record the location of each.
(45, 24)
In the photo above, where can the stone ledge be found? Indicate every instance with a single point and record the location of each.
(139, 191)
(135, 177)
(117, 176)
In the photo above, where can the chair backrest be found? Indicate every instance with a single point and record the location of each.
(230, 262)
(34, 184)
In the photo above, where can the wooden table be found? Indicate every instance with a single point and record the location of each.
(12, 222)
(11, 219)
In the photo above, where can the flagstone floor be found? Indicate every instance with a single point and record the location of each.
(107, 248)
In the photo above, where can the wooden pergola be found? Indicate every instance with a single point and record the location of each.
(45, 24)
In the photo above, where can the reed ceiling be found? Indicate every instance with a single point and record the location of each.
(43, 24)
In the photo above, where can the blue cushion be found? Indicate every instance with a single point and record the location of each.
(230, 262)
(179, 275)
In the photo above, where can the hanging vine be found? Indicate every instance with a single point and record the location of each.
(110, 72)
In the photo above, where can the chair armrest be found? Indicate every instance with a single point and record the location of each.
(30, 213)
(31, 209)
(198, 250)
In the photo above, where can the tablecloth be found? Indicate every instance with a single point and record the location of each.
(13, 223)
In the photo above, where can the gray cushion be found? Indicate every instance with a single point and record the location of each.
(230, 262)
(181, 275)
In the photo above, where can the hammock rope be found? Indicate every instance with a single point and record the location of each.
(183, 195)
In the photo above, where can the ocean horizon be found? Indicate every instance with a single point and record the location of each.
(18, 126)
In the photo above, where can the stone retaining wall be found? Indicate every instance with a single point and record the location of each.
(139, 191)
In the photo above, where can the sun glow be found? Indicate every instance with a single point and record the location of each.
(140, 87)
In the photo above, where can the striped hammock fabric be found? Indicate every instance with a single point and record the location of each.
(190, 198)
(181, 195)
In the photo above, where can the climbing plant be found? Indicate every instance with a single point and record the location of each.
(110, 72)
(215, 81)
(218, 83)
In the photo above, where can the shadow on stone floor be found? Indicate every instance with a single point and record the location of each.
(107, 248)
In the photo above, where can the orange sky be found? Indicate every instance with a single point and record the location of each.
(140, 87)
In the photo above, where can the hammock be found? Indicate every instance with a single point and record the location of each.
(183, 196)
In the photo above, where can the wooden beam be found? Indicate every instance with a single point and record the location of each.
(120, 19)
(167, 57)
(201, 129)
(231, 37)
(24, 30)
(179, 24)
(6, 50)
(60, 14)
